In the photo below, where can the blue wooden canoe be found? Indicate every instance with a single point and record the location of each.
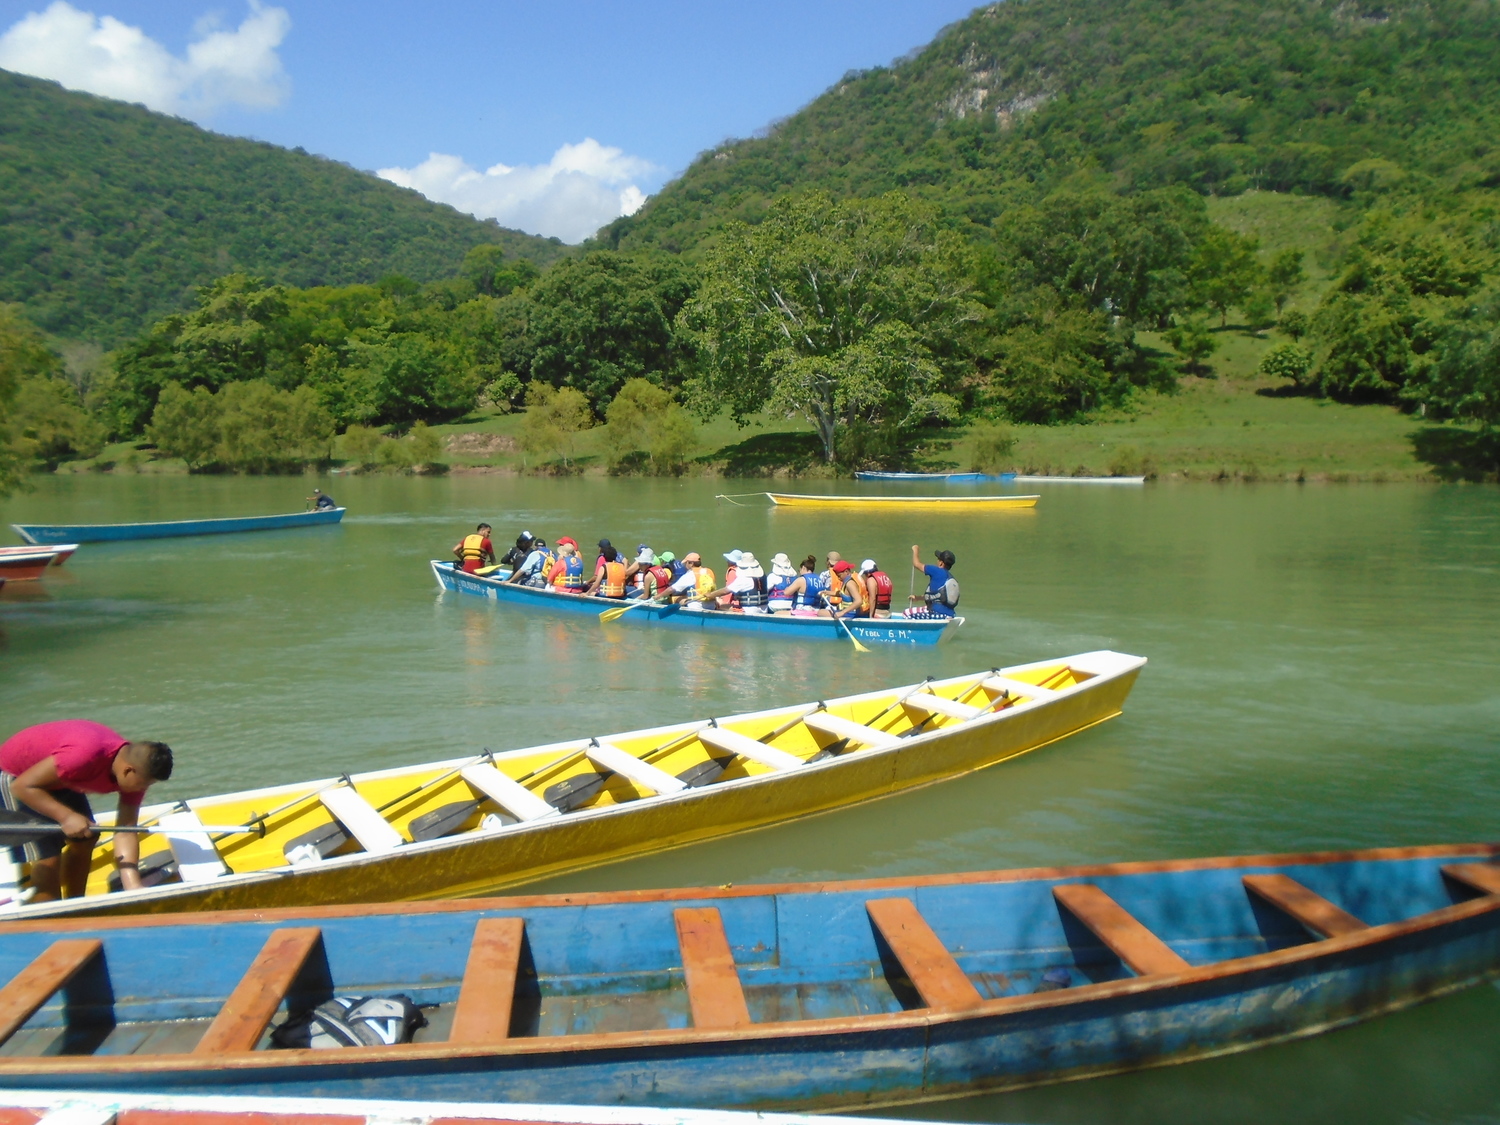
(43, 533)
(870, 630)
(950, 478)
(826, 996)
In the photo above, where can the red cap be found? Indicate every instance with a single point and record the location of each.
(841, 566)
(569, 540)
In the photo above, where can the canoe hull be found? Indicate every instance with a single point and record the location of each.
(26, 566)
(798, 1061)
(482, 863)
(902, 503)
(111, 532)
(63, 553)
(947, 478)
(890, 630)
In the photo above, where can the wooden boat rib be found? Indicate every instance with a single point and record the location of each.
(626, 794)
(817, 996)
(27, 565)
(903, 503)
(109, 532)
(869, 630)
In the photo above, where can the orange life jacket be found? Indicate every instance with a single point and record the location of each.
(613, 585)
(567, 575)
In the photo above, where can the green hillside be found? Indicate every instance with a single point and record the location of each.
(1338, 99)
(111, 216)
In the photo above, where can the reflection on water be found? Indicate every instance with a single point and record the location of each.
(1322, 675)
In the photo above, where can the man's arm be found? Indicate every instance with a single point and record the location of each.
(128, 846)
(31, 790)
(916, 558)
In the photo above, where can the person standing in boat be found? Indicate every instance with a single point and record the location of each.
(473, 550)
(49, 768)
(940, 599)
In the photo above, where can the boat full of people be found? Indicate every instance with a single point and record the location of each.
(491, 820)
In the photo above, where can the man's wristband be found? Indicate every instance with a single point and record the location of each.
(125, 863)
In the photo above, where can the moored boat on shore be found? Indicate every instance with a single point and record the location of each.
(61, 553)
(26, 564)
(40, 533)
(943, 478)
(814, 996)
(903, 503)
(494, 820)
(869, 630)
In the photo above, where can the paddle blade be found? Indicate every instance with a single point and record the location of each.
(575, 791)
(615, 614)
(327, 838)
(442, 821)
(704, 773)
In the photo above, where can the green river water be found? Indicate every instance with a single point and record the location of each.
(1323, 674)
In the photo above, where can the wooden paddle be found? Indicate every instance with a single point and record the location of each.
(849, 632)
(575, 791)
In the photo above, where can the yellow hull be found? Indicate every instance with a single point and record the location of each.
(903, 503)
(626, 818)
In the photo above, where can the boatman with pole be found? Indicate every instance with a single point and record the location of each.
(49, 768)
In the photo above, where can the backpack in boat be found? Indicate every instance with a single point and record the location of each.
(947, 596)
(351, 1021)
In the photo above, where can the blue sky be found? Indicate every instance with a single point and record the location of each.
(506, 93)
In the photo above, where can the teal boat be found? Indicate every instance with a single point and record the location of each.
(50, 533)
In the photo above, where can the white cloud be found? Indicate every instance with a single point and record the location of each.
(580, 189)
(104, 56)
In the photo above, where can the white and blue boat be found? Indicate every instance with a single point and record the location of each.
(50, 533)
(869, 630)
(945, 478)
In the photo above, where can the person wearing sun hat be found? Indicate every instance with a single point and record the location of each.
(634, 573)
(695, 584)
(783, 574)
(745, 585)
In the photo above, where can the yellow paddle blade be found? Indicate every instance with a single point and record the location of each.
(486, 571)
(614, 614)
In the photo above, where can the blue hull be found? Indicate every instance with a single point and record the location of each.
(43, 533)
(881, 631)
(604, 1015)
(949, 478)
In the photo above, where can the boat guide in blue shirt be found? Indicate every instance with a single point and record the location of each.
(940, 599)
(321, 501)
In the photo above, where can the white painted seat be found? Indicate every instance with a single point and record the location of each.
(510, 795)
(746, 747)
(198, 860)
(1016, 687)
(361, 820)
(848, 728)
(611, 757)
(941, 705)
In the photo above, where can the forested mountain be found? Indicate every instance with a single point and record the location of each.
(112, 216)
(1337, 97)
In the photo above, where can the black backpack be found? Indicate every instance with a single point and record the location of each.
(351, 1021)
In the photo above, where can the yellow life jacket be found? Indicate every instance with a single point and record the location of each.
(704, 583)
(472, 547)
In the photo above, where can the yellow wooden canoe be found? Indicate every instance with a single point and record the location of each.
(743, 772)
(904, 503)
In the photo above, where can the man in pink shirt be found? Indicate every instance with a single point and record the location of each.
(49, 767)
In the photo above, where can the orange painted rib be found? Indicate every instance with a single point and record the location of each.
(254, 1001)
(1308, 907)
(489, 988)
(1483, 877)
(713, 983)
(34, 985)
(942, 985)
(1142, 951)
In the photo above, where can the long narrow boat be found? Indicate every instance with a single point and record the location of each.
(73, 1107)
(903, 503)
(63, 552)
(28, 565)
(947, 478)
(820, 996)
(107, 532)
(869, 630)
(1079, 480)
(479, 824)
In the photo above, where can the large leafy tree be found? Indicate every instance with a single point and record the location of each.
(841, 312)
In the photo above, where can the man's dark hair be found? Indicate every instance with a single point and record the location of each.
(610, 554)
(947, 559)
(153, 757)
(483, 527)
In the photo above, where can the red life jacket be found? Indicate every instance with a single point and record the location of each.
(883, 589)
(662, 576)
